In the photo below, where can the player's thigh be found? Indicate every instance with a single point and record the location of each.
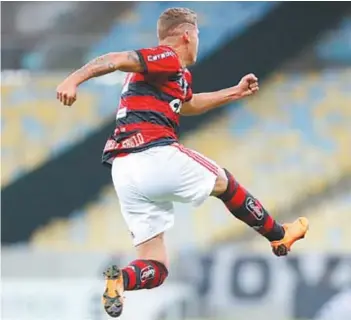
(221, 184)
(147, 222)
(145, 217)
(221, 181)
(199, 176)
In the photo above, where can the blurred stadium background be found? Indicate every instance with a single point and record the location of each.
(290, 145)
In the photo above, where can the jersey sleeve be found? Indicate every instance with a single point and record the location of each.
(159, 60)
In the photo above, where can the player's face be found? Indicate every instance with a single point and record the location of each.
(193, 44)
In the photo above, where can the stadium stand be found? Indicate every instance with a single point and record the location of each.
(39, 36)
(137, 28)
(18, 32)
(84, 231)
(336, 47)
(34, 127)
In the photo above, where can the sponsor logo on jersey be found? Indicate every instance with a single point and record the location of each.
(155, 57)
(254, 207)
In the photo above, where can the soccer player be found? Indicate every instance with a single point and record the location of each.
(150, 168)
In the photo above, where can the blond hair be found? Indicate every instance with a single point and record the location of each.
(173, 18)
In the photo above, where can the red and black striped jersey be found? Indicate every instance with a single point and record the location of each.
(150, 102)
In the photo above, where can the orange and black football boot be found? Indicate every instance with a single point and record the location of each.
(113, 297)
(293, 232)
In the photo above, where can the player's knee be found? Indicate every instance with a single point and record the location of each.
(153, 249)
(221, 184)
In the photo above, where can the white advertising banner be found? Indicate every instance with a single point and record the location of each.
(69, 299)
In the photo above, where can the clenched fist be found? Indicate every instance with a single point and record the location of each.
(66, 92)
(248, 85)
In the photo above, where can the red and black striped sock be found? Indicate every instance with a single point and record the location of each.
(246, 208)
(144, 274)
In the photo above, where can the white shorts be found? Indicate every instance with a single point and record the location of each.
(148, 182)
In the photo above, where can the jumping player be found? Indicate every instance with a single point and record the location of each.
(150, 168)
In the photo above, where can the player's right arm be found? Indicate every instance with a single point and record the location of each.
(203, 102)
(128, 61)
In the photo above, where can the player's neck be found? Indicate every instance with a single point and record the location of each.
(178, 50)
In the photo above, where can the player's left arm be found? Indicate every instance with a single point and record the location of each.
(127, 61)
(203, 102)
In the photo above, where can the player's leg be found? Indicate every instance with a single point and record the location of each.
(147, 221)
(148, 271)
(248, 209)
(202, 177)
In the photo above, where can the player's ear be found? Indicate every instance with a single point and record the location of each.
(186, 36)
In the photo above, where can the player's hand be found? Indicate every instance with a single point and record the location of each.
(248, 85)
(66, 92)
